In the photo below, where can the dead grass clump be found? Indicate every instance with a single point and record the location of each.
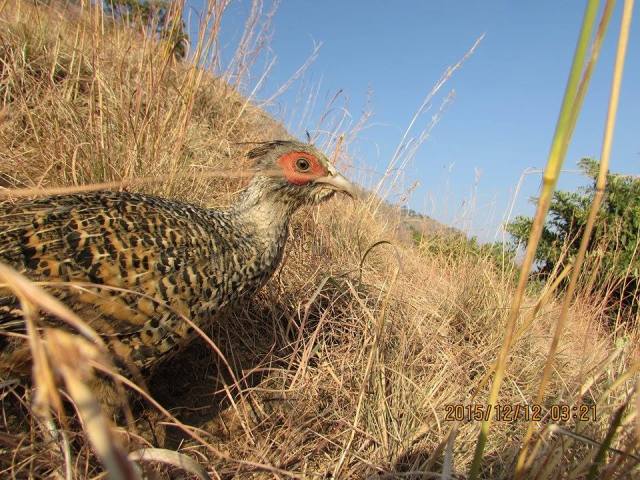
(354, 379)
(346, 364)
(84, 107)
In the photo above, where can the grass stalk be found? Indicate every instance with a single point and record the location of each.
(606, 444)
(554, 163)
(618, 69)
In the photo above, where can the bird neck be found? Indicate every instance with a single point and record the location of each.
(266, 211)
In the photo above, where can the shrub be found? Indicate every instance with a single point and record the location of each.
(612, 265)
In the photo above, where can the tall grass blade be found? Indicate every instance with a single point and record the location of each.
(554, 163)
(595, 206)
(606, 444)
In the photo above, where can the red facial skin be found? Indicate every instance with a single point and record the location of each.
(288, 164)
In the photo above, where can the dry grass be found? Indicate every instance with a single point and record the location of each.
(344, 367)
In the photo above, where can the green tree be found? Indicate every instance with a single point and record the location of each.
(156, 16)
(613, 255)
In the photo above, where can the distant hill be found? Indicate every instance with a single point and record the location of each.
(412, 225)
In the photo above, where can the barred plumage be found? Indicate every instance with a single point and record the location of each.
(136, 264)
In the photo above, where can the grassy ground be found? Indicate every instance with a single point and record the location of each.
(344, 364)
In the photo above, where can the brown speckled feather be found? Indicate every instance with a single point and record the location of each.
(134, 265)
(173, 254)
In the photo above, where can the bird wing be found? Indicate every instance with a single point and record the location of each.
(134, 267)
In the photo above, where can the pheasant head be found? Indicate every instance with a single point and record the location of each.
(290, 175)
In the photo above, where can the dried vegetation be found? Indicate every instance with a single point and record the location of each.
(342, 367)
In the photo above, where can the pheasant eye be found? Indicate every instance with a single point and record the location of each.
(302, 165)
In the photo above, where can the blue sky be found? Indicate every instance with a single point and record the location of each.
(507, 95)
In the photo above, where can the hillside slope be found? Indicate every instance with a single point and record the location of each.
(347, 360)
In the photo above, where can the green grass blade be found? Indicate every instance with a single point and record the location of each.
(577, 266)
(606, 444)
(554, 163)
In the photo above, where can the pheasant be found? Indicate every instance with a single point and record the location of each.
(147, 262)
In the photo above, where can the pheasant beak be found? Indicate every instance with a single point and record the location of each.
(337, 182)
